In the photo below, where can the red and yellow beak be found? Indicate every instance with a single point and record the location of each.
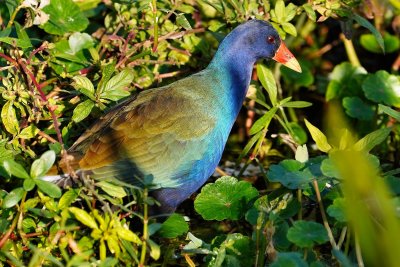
(286, 58)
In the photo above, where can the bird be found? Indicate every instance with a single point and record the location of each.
(175, 135)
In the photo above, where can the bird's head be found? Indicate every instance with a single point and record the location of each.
(257, 39)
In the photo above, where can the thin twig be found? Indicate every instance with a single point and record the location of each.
(323, 214)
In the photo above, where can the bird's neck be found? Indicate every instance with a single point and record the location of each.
(235, 70)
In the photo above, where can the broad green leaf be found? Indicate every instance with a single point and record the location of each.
(382, 88)
(65, 16)
(344, 81)
(5, 153)
(369, 42)
(329, 169)
(371, 140)
(82, 82)
(29, 132)
(182, 21)
(9, 118)
(268, 82)
(237, 250)
(78, 41)
(28, 225)
(358, 109)
(306, 234)
(280, 10)
(15, 169)
(263, 122)
(82, 110)
(338, 210)
(174, 226)
(291, 174)
(127, 234)
(68, 198)
(366, 24)
(227, 198)
(42, 165)
(289, 28)
(112, 189)
(114, 88)
(299, 134)
(318, 137)
(286, 259)
(13, 197)
(29, 184)
(310, 12)
(389, 111)
(84, 217)
(22, 43)
(48, 188)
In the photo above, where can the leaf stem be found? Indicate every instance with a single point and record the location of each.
(323, 214)
(145, 228)
(155, 17)
(351, 52)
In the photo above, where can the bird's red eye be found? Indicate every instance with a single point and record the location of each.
(271, 39)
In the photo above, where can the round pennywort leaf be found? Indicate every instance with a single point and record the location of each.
(227, 198)
(306, 234)
(382, 88)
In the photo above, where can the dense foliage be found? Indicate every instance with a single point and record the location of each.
(311, 169)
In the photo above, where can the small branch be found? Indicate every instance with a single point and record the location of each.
(324, 218)
(351, 52)
(155, 22)
(360, 261)
(145, 228)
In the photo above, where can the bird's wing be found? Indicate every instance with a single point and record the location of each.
(160, 133)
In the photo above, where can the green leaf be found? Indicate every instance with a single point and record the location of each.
(68, 198)
(305, 78)
(306, 234)
(174, 226)
(268, 82)
(28, 132)
(9, 118)
(82, 110)
(291, 174)
(21, 43)
(342, 258)
(369, 42)
(65, 16)
(182, 21)
(329, 169)
(366, 24)
(263, 122)
(227, 198)
(48, 188)
(297, 104)
(112, 189)
(318, 137)
(371, 140)
(29, 184)
(5, 153)
(286, 259)
(15, 169)
(338, 210)
(78, 41)
(42, 165)
(13, 197)
(299, 134)
(344, 81)
(389, 111)
(249, 145)
(155, 251)
(310, 12)
(114, 88)
(83, 217)
(84, 85)
(127, 234)
(383, 88)
(358, 109)
(289, 28)
(280, 10)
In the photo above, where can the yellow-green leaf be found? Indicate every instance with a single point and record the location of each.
(9, 118)
(83, 217)
(318, 137)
